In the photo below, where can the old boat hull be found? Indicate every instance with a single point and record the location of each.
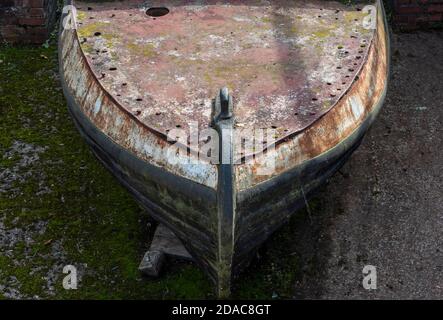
(222, 227)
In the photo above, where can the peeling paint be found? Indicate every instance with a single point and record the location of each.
(98, 105)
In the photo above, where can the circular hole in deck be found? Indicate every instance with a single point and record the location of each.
(157, 12)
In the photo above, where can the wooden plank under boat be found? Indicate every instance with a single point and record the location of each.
(133, 71)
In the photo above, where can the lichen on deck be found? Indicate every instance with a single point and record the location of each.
(286, 63)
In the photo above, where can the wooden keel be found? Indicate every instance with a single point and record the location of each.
(224, 124)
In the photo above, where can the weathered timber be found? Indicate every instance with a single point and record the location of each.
(165, 243)
(307, 69)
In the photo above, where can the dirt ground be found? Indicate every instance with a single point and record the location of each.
(385, 208)
(59, 206)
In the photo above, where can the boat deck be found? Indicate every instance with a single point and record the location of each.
(286, 63)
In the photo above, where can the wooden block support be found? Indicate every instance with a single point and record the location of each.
(164, 244)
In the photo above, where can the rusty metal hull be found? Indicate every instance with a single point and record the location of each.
(222, 227)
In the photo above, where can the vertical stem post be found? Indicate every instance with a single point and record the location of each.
(224, 124)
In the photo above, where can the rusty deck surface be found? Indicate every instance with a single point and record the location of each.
(286, 62)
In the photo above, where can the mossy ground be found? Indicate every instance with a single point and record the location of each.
(88, 219)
